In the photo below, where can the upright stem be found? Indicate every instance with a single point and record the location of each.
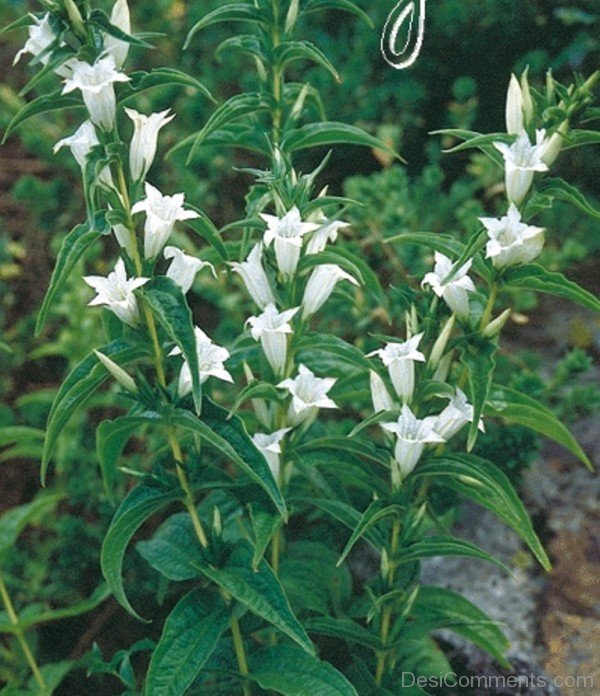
(489, 308)
(277, 77)
(14, 620)
(240, 653)
(386, 616)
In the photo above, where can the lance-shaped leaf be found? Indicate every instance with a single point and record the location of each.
(345, 5)
(111, 438)
(487, 485)
(291, 672)
(258, 590)
(79, 386)
(437, 607)
(72, 248)
(204, 227)
(534, 277)
(478, 358)
(331, 133)
(190, 635)
(558, 188)
(516, 407)
(229, 436)
(336, 445)
(264, 525)
(42, 105)
(141, 502)
(174, 550)
(161, 77)
(228, 13)
(16, 519)
(445, 546)
(326, 349)
(377, 511)
(344, 629)
(168, 304)
(289, 51)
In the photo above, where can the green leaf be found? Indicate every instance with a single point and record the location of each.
(141, 502)
(229, 436)
(80, 384)
(264, 525)
(377, 511)
(258, 590)
(311, 346)
(111, 438)
(445, 546)
(336, 445)
(474, 139)
(483, 482)
(99, 19)
(52, 674)
(16, 519)
(190, 635)
(344, 5)
(344, 629)
(74, 245)
(289, 51)
(331, 133)
(558, 188)
(204, 227)
(227, 13)
(517, 407)
(168, 304)
(256, 390)
(233, 109)
(161, 77)
(42, 105)
(437, 607)
(534, 277)
(25, 21)
(479, 360)
(173, 550)
(291, 672)
(437, 241)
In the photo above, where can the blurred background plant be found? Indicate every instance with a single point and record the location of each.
(454, 84)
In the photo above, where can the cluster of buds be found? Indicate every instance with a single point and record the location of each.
(96, 83)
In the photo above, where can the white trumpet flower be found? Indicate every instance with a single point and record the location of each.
(382, 401)
(400, 358)
(327, 232)
(162, 212)
(320, 285)
(81, 143)
(512, 241)
(40, 38)
(309, 394)
(120, 18)
(116, 292)
(211, 359)
(271, 329)
(184, 267)
(255, 279)
(287, 233)
(413, 434)
(452, 287)
(270, 447)
(457, 414)
(143, 143)
(521, 161)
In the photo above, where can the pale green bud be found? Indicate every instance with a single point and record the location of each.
(497, 324)
(117, 372)
(440, 344)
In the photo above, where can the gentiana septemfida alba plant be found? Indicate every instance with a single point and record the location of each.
(264, 501)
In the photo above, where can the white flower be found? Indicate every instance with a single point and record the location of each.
(382, 401)
(183, 267)
(81, 143)
(309, 394)
(96, 83)
(287, 233)
(512, 241)
(270, 328)
(162, 212)
(143, 143)
(116, 292)
(320, 285)
(400, 358)
(413, 435)
(453, 290)
(210, 363)
(327, 232)
(120, 18)
(117, 372)
(270, 447)
(40, 38)
(521, 160)
(456, 414)
(255, 279)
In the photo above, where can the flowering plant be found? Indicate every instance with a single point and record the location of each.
(255, 498)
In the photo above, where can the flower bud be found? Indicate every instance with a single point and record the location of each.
(497, 324)
(526, 97)
(441, 341)
(382, 401)
(117, 372)
(514, 107)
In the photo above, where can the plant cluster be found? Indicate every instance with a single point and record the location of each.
(269, 498)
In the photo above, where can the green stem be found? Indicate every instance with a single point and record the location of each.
(277, 77)
(240, 653)
(489, 308)
(14, 620)
(386, 617)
